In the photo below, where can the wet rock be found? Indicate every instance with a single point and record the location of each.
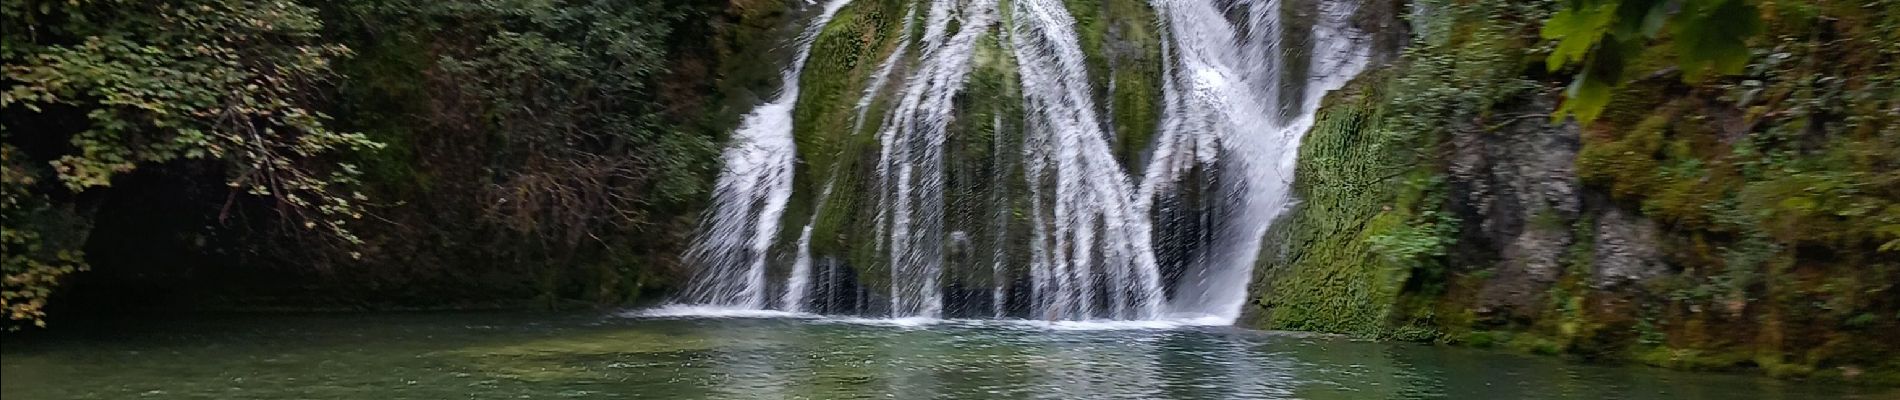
(1627, 250)
(1513, 181)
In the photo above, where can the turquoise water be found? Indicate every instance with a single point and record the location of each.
(515, 356)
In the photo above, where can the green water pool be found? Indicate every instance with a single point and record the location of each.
(612, 356)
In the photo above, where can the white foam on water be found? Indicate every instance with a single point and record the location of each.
(907, 322)
(704, 311)
(1115, 325)
(1058, 325)
(713, 312)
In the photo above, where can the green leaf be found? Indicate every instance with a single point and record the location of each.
(1713, 35)
(1577, 29)
(1586, 98)
(1638, 18)
(1654, 20)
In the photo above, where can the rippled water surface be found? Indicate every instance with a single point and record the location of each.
(497, 356)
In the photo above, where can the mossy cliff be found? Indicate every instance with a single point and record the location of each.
(985, 203)
(1737, 222)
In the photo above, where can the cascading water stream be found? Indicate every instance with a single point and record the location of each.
(912, 164)
(752, 192)
(1227, 86)
(1068, 225)
(798, 283)
(1093, 203)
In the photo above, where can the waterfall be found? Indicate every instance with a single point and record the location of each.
(752, 192)
(999, 224)
(912, 163)
(1066, 222)
(1093, 206)
(798, 284)
(1229, 87)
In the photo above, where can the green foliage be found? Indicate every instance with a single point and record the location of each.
(1358, 245)
(1712, 36)
(1419, 246)
(31, 266)
(561, 82)
(1370, 234)
(1603, 37)
(97, 89)
(1772, 193)
(200, 79)
(553, 128)
(1774, 189)
(568, 132)
(1466, 72)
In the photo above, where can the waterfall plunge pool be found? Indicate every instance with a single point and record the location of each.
(614, 356)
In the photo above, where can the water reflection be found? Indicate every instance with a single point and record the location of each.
(496, 357)
(1210, 365)
(748, 366)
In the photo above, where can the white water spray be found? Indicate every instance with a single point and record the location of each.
(1228, 105)
(751, 193)
(1092, 212)
(1226, 88)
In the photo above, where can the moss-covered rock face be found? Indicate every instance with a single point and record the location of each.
(1745, 221)
(986, 200)
(1123, 44)
(1357, 183)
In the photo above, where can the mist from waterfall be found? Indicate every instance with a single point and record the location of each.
(1069, 233)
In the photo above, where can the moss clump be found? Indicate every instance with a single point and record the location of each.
(1625, 161)
(1355, 229)
(1772, 197)
(830, 152)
